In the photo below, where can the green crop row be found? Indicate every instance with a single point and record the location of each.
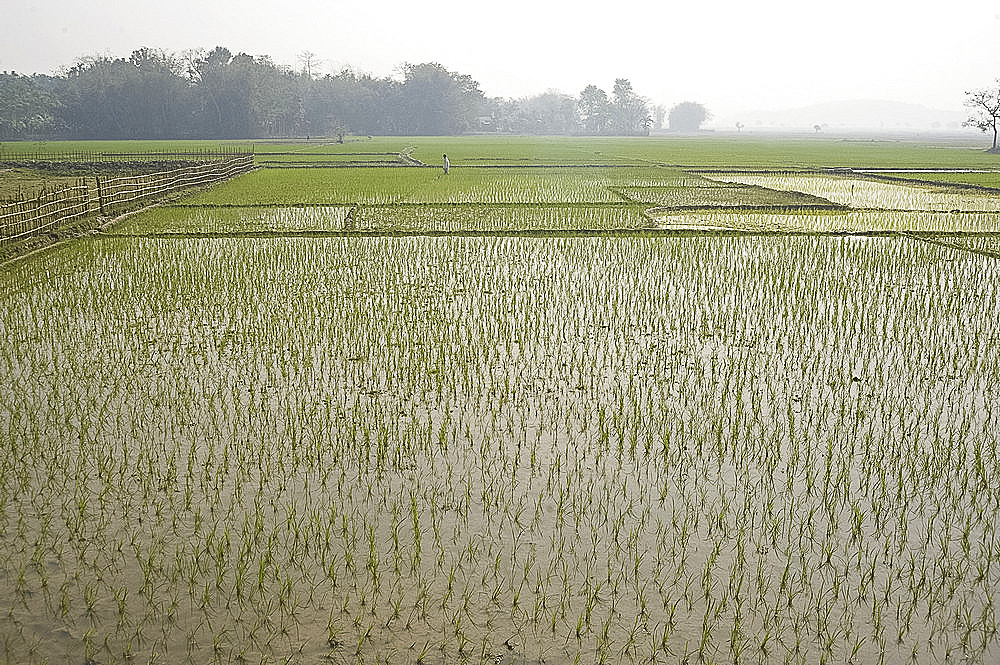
(407, 218)
(861, 221)
(233, 220)
(722, 196)
(715, 151)
(858, 192)
(283, 187)
(979, 178)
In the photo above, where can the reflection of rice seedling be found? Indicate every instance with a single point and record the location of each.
(866, 221)
(720, 196)
(861, 193)
(492, 186)
(484, 218)
(181, 220)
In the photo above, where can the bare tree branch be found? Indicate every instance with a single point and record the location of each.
(985, 105)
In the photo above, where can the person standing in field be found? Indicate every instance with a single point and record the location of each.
(447, 165)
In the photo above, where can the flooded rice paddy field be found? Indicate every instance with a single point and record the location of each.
(622, 448)
(859, 192)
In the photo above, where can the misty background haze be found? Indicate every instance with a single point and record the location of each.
(762, 64)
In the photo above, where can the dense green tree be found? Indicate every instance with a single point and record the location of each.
(436, 101)
(323, 110)
(594, 109)
(144, 96)
(349, 102)
(224, 83)
(218, 94)
(374, 106)
(93, 101)
(276, 105)
(26, 106)
(159, 99)
(550, 113)
(687, 117)
(630, 111)
(242, 96)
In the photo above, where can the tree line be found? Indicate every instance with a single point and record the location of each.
(154, 94)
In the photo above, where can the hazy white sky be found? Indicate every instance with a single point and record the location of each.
(729, 55)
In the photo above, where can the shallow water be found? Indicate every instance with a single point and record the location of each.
(531, 449)
(867, 194)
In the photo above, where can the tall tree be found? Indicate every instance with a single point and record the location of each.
(224, 107)
(144, 96)
(594, 108)
(276, 107)
(985, 106)
(25, 106)
(93, 97)
(437, 101)
(550, 113)
(687, 117)
(310, 61)
(631, 112)
(154, 94)
(160, 100)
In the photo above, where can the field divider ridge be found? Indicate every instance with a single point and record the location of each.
(938, 239)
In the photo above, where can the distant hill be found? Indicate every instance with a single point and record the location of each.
(849, 115)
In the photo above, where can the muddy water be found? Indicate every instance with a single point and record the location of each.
(510, 450)
(867, 194)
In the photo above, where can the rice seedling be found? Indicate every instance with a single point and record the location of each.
(968, 229)
(687, 196)
(609, 448)
(870, 194)
(183, 220)
(487, 186)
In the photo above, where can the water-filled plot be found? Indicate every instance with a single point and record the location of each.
(516, 415)
(485, 185)
(858, 192)
(450, 449)
(686, 196)
(233, 220)
(841, 222)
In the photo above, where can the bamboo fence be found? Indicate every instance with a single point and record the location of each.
(45, 213)
(221, 153)
(53, 211)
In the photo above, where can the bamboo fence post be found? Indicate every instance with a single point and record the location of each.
(100, 196)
